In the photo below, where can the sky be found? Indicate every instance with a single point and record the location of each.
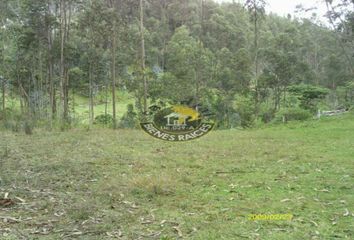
(283, 7)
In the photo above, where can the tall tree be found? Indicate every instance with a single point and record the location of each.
(2, 61)
(113, 5)
(64, 32)
(143, 53)
(50, 20)
(256, 7)
(341, 17)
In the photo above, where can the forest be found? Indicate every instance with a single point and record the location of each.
(71, 63)
(83, 81)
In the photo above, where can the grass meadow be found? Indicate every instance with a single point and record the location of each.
(123, 184)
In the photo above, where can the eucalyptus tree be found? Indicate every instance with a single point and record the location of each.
(113, 5)
(341, 16)
(142, 39)
(94, 31)
(2, 55)
(283, 66)
(188, 67)
(257, 11)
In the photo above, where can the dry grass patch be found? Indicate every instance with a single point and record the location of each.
(151, 185)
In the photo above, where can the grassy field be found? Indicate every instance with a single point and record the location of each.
(105, 184)
(79, 107)
(82, 109)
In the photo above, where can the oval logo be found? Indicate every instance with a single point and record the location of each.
(176, 123)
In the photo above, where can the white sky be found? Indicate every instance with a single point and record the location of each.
(283, 7)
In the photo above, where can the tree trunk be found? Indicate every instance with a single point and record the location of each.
(114, 76)
(62, 39)
(197, 84)
(91, 113)
(164, 24)
(66, 69)
(3, 82)
(143, 53)
(50, 70)
(256, 56)
(3, 97)
(63, 72)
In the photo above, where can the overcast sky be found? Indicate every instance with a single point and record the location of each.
(283, 7)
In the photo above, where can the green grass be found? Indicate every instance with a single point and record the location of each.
(79, 105)
(102, 184)
(82, 105)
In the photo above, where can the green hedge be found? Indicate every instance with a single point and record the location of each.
(293, 114)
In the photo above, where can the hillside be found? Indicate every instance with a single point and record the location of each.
(103, 184)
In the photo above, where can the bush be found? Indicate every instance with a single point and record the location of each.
(244, 105)
(293, 114)
(225, 115)
(266, 113)
(267, 116)
(105, 119)
(13, 120)
(309, 95)
(129, 120)
(13, 125)
(28, 127)
(17, 125)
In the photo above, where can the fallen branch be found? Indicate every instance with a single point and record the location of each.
(6, 218)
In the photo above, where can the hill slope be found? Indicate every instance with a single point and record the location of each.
(105, 183)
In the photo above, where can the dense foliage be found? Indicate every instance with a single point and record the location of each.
(236, 60)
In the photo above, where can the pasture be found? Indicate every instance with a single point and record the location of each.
(123, 184)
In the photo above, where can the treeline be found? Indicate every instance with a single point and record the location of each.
(234, 59)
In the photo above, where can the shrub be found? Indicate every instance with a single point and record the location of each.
(129, 120)
(293, 114)
(225, 115)
(267, 116)
(308, 95)
(28, 127)
(244, 105)
(104, 119)
(266, 113)
(13, 120)
(13, 125)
